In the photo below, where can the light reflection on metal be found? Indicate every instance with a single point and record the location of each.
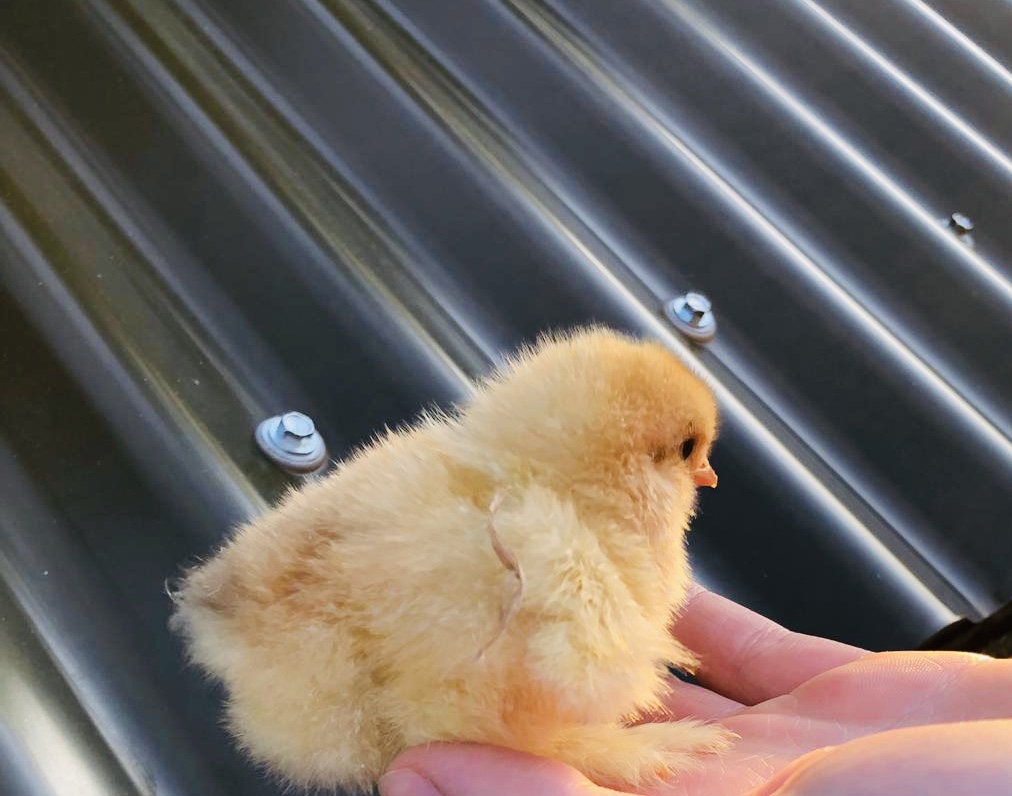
(43, 723)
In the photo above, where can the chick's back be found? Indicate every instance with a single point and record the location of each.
(493, 575)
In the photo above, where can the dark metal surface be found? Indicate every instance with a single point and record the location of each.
(212, 211)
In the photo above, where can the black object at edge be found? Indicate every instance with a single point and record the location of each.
(991, 635)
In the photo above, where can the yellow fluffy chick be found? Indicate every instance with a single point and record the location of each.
(506, 574)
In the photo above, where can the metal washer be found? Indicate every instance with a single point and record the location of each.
(297, 462)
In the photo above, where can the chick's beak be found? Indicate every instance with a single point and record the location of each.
(704, 475)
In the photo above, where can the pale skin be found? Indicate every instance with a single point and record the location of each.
(815, 718)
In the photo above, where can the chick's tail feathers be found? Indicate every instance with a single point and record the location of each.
(307, 729)
(201, 615)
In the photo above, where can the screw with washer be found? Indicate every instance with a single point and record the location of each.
(292, 442)
(961, 224)
(692, 314)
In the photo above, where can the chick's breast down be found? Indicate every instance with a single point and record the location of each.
(503, 575)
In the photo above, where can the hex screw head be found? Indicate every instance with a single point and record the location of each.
(692, 314)
(292, 442)
(295, 432)
(694, 308)
(961, 224)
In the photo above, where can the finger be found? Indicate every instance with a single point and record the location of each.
(474, 770)
(891, 689)
(748, 658)
(935, 760)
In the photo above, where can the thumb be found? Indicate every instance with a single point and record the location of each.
(472, 770)
(935, 760)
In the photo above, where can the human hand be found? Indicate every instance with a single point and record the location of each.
(813, 716)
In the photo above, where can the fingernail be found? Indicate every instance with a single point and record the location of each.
(405, 782)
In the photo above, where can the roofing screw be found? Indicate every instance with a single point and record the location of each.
(692, 314)
(292, 442)
(961, 224)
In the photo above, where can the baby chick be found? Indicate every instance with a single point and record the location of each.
(506, 574)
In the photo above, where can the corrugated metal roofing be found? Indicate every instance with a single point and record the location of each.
(214, 210)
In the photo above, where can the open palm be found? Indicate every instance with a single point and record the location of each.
(787, 695)
(803, 708)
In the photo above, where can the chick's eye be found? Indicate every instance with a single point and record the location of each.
(688, 446)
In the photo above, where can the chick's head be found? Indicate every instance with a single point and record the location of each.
(608, 418)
